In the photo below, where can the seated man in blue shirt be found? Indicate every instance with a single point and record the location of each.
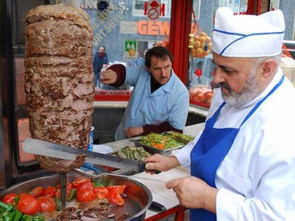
(159, 100)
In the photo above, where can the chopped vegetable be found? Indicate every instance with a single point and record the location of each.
(37, 191)
(9, 213)
(180, 137)
(72, 194)
(133, 153)
(28, 204)
(160, 141)
(10, 198)
(115, 194)
(85, 195)
(17, 216)
(47, 204)
(101, 192)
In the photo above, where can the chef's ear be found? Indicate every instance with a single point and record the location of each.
(269, 67)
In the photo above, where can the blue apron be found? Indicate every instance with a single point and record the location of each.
(211, 148)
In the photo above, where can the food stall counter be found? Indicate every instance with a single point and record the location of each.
(202, 111)
(157, 182)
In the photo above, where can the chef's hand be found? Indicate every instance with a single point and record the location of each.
(108, 77)
(193, 192)
(160, 162)
(133, 131)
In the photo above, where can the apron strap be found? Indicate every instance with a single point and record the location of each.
(260, 102)
(210, 122)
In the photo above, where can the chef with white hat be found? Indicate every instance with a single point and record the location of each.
(242, 164)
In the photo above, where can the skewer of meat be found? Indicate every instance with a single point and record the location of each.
(59, 79)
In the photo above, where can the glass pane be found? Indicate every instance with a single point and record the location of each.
(200, 60)
(238, 6)
(126, 32)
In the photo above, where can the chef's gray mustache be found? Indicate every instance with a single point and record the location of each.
(216, 85)
(221, 85)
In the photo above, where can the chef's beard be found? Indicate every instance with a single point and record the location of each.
(250, 91)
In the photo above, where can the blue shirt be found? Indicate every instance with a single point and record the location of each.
(169, 103)
(98, 63)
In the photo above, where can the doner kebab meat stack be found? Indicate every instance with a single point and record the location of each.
(59, 79)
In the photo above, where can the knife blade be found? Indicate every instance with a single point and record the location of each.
(59, 151)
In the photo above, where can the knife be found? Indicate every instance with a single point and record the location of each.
(59, 151)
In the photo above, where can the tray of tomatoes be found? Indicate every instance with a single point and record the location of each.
(201, 95)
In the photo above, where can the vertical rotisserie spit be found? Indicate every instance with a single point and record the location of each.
(59, 79)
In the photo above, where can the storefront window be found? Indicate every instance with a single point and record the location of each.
(139, 7)
(126, 31)
(200, 61)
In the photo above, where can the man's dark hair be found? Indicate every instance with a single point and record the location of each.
(159, 52)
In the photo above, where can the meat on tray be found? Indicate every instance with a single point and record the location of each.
(59, 78)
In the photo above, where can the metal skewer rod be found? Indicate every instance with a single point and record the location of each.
(63, 188)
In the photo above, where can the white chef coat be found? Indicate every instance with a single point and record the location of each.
(256, 179)
(169, 103)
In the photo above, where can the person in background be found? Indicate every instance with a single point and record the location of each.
(242, 164)
(100, 58)
(159, 101)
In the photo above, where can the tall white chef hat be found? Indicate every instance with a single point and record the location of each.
(248, 35)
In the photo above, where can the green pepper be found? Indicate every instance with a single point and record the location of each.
(1, 211)
(72, 194)
(97, 184)
(38, 218)
(6, 207)
(27, 218)
(8, 215)
(16, 199)
(8, 211)
(17, 216)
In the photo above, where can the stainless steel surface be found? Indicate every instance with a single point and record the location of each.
(44, 148)
(96, 175)
(139, 197)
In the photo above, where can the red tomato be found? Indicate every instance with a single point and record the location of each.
(101, 192)
(115, 194)
(47, 204)
(69, 188)
(85, 186)
(79, 181)
(10, 198)
(37, 191)
(85, 195)
(117, 188)
(49, 191)
(28, 204)
(115, 198)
